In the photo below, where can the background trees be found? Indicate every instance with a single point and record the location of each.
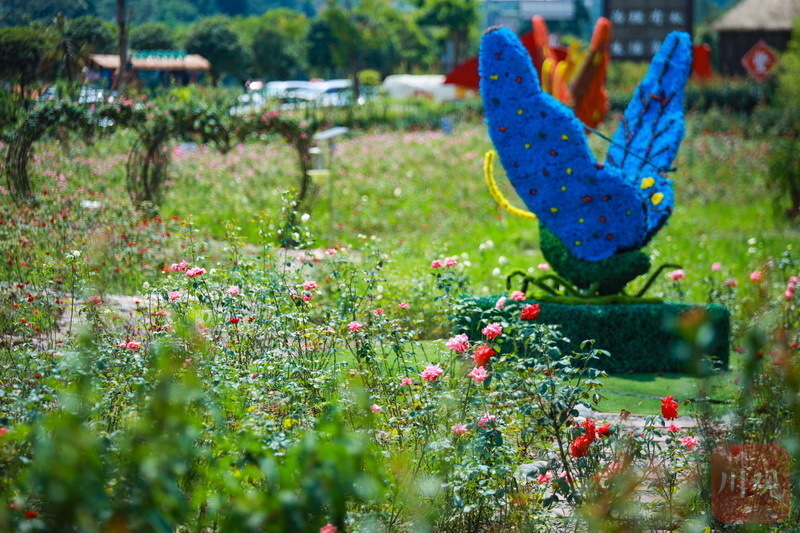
(214, 39)
(89, 30)
(152, 36)
(270, 39)
(21, 50)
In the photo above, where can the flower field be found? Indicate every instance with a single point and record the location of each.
(250, 387)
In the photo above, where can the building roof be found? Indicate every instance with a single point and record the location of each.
(755, 15)
(154, 61)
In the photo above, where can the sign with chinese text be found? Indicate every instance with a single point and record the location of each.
(750, 483)
(759, 60)
(639, 26)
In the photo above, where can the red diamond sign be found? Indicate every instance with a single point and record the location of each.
(759, 61)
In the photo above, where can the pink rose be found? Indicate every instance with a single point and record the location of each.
(450, 262)
(402, 305)
(195, 271)
(95, 300)
(459, 343)
(731, 282)
(689, 442)
(518, 296)
(133, 345)
(501, 303)
(493, 330)
(233, 290)
(174, 295)
(716, 267)
(375, 408)
(179, 267)
(677, 275)
(431, 373)
(436, 263)
(544, 479)
(458, 429)
(406, 382)
(478, 374)
(756, 276)
(354, 326)
(485, 419)
(310, 285)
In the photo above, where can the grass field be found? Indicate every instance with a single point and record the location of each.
(417, 196)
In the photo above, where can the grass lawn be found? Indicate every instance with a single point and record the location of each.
(682, 387)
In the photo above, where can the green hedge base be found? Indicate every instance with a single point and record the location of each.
(640, 337)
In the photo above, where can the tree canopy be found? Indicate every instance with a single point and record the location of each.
(90, 31)
(213, 39)
(21, 50)
(152, 36)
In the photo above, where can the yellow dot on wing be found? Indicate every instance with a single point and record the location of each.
(578, 243)
(520, 111)
(647, 183)
(554, 210)
(657, 198)
(569, 171)
(494, 76)
(527, 145)
(563, 188)
(564, 137)
(581, 220)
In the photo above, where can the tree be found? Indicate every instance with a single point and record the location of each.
(364, 37)
(320, 40)
(90, 31)
(60, 50)
(152, 36)
(232, 7)
(19, 12)
(456, 17)
(279, 45)
(21, 51)
(213, 39)
(276, 57)
(123, 20)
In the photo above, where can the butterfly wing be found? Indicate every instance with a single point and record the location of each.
(647, 140)
(542, 147)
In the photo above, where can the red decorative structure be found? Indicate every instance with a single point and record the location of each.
(582, 88)
(701, 62)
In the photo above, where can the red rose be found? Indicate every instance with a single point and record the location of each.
(669, 408)
(580, 446)
(604, 430)
(531, 312)
(591, 433)
(483, 353)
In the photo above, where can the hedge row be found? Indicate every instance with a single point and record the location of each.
(639, 337)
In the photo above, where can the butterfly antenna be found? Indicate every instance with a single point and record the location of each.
(494, 190)
(625, 148)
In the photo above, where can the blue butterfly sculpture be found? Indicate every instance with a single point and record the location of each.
(594, 212)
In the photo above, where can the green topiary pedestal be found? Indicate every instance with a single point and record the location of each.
(640, 337)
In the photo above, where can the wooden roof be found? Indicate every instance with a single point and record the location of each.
(759, 15)
(186, 62)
